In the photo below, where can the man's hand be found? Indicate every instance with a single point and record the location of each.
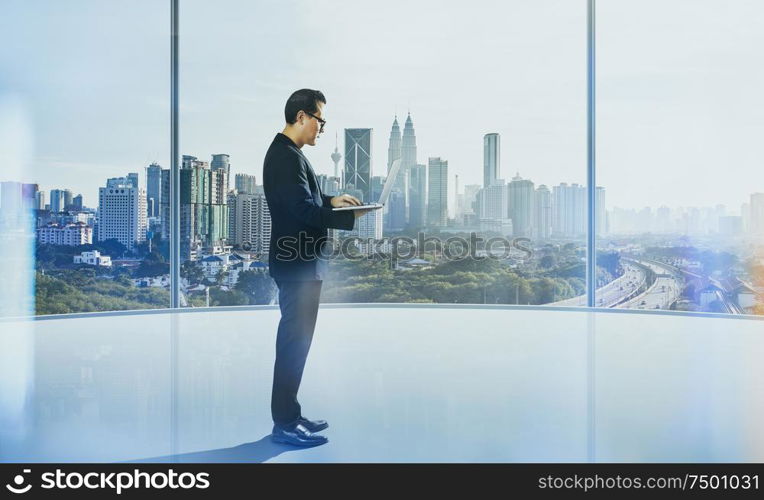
(345, 200)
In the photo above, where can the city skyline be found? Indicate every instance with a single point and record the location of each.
(50, 187)
(662, 219)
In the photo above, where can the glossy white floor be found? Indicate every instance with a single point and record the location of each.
(404, 383)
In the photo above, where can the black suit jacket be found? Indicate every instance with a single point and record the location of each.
(300, 214)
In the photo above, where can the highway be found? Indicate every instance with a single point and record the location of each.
(662, 293)
(628, 290)
(614, 292)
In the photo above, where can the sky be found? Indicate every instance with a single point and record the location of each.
(680, 110)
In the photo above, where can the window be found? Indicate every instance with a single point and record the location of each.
(95, 98)
(679, 151)
(483, 104)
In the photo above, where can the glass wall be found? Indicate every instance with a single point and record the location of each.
(480, 107)
(84, 107)
(680, 121)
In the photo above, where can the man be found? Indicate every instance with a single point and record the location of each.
(300, 217)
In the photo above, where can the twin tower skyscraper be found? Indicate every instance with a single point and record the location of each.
(407, 205)
(408, 201)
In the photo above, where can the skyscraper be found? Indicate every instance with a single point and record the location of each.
(252, 224)
(368, 226)
(491, 201)
(188, 160)
(418, 196)
(194, 201)
(231, 203)
(521, 204)
(122, 212)
(395, 211)
(132, 179)
(437, 192)
(569, 210)
(543, 212)
(470, 193)
(57, 200)
(332, 186)
(408, 160)
(40, 200)
(222, 162)
(329, 185)
(358, 166)
(68, 198)
(204, 217)
(245, 183)
(153, 188)
(491, 158)
(394, 146)
(77, 202)
(218, 204)
(457, 198)
(377, 183)
(164, 204)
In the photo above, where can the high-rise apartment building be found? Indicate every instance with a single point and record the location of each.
(153, 188)
(491, 158)
(437, 192)
(122, 212)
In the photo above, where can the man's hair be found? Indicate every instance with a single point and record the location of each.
(302, 100)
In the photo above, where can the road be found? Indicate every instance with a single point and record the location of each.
(662, 293)
(614, 292)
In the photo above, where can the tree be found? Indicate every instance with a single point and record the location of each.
(257, 285)
(149, 268)
(123, 280)
(223, 298)
(547, 262)
(610, 261)
(71, 291)
(220, 276)
(111, 247)
(545, 291)
(193, 273)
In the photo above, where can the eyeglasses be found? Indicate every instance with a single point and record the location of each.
(320, 120)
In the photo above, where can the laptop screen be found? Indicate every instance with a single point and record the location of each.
(389, 181)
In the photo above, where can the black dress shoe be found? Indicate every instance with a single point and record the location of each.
(313, 425)
(297, 436)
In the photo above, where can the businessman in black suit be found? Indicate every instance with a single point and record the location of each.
(300, 217)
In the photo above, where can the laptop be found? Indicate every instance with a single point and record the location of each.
(382, 197)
